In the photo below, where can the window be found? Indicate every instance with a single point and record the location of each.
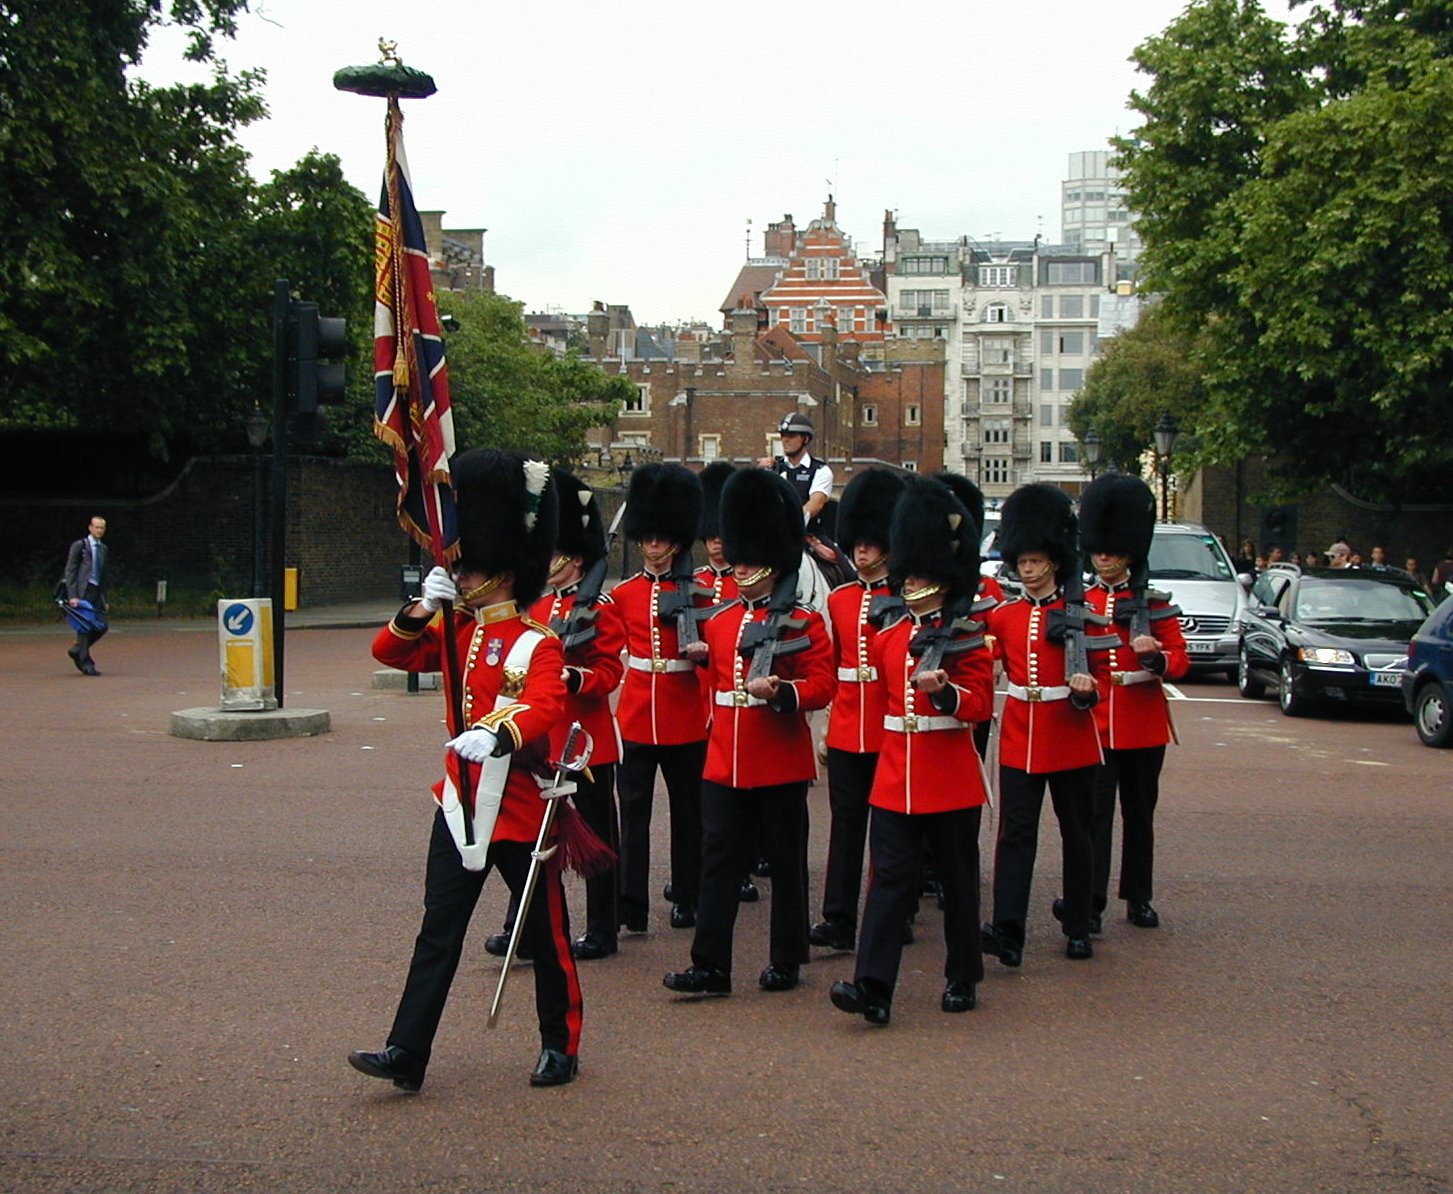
(1071, 379)
(924, 265)
(996, 470)
(997, 431)
(844, 319)
(924, 302)
(997, 350)
(997, 313)
(710, 447)
(1046, 306)
(1046, 453)
(1046, 379)
(870, 416)
(641, 403)
(910, 466)
(1072, 273)
(998, 275)
(912, 416)
(1071, 306)
(1072, 343)
(1046, 414)
(798, 326)
(999, 391)
(825, 268)
(1069, 453)
(1094, 306)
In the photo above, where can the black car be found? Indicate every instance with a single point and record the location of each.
(1328, 635)
(1428, 680)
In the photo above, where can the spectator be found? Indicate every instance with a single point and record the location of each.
(1355, 560)
(1259, 564)
(1313, 560)
(1379, 559)
(1339, 555)
(1414, 569)
(1297, 558)
(1246, 558)
(1275, 556)
(1442, 583)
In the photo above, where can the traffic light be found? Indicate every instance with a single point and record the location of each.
(313, 379)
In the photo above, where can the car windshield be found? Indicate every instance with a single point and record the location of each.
(1325, 599)
(1188, 557)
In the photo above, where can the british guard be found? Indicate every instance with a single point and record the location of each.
(937, 677)
(769, 664)
(1117, 520)
(513, 698)
(855, 723)
(661, 713)
(716, 573)
(1045, 641)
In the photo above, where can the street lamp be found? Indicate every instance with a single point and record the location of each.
(1092, 451)
(1166, 433)
(625, 468)
(257, 425)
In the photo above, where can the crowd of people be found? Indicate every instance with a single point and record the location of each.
(1342, 554)
(719, 668)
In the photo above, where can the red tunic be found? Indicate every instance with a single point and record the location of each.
(534, 711)
(1040, 736)
(856, 721)
(753, 745)
(660, 704)
(1136, 715)
(723, 584)
(598, 665)
(930, 771)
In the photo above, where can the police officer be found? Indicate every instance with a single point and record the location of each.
(810, 477)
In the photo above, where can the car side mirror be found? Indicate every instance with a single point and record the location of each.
(1246, 580)
(1269, 612)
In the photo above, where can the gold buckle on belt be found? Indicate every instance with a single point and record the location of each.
(865, 673)
(658, 665)
(740, 698)
(1033, 694)
(1117, 678)
(910, 724)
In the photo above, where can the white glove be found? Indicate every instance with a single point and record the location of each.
(439, 587)
(476, 745)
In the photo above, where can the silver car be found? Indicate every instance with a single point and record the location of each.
(1189, 562)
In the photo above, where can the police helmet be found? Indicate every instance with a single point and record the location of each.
(795, 424)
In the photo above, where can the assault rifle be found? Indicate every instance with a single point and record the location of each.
(578, 626)
(762, 642)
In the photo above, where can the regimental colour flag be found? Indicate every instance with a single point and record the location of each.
(411, 383)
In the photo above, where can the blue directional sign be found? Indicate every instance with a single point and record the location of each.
(237, 618)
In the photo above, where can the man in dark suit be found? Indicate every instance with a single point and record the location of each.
(85, 580)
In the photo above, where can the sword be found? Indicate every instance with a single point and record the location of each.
(574, 755)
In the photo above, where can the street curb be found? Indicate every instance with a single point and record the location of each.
(221, 725)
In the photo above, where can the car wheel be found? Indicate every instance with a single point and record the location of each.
(1432, 716)
(1247, 684)
(1291, 704)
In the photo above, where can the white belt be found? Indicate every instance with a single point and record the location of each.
(740, 700)
(1060, 692)
(1140, 677)
(636, 663)
(857, 673)
(922, 725)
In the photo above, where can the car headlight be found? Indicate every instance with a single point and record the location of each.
(1333, 656)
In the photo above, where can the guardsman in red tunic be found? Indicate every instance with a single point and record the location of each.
(1117, 521)
(1048, 731)
(513, 699)
(937, 678)
(855, 724)
(661, 713)
(770, 664)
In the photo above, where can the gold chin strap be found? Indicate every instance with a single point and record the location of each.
(922, 594)
(491, 583)
(559, 566)
(756, 578)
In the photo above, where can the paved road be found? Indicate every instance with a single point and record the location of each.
(195, 934)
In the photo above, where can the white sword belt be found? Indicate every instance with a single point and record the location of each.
(638, 664)
(857, 673)
(1059, 692)
(1140, 677)
(737, 699)
(922, 725)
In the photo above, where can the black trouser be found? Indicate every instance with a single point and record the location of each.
(1021, 796)
(726, 819)
(450, 896)
(849, 781)
(897, 841)
(1136, 773)
(635, 784)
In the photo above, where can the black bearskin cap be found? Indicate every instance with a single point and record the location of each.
(761, 521)
(968, 493)
(1117, 517)
(1039, 518)
(865, 510)
(713, 477)
(664, 500)
(933, 535)
(508, 516)
(582, 530)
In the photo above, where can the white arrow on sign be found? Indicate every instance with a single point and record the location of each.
(237, 623)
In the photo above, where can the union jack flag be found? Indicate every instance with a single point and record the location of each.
(411, 382)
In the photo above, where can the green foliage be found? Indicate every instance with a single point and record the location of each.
(1297, 220)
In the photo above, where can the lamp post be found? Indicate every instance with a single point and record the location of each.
(1092, 451)
(257, 425)
(1166, 433)
(625, 468)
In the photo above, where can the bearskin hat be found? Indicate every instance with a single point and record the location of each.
(582, 530)
(968, 493)
(713, 477)
(663, 500)
(866, 508)
(508, 516)
(1039, 518)
(931, 534)
(761, 520)
(1117, 517)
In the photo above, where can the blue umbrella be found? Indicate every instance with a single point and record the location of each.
(84, 618)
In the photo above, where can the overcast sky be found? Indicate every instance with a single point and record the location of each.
(617, 151)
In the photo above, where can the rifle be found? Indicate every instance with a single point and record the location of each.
(955, 634)
(762, 642)
(578, 627)
(1137, 610)
(680, 606)
(1070, 626)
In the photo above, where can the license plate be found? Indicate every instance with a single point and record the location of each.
(1195, 648)
(1387, 679)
